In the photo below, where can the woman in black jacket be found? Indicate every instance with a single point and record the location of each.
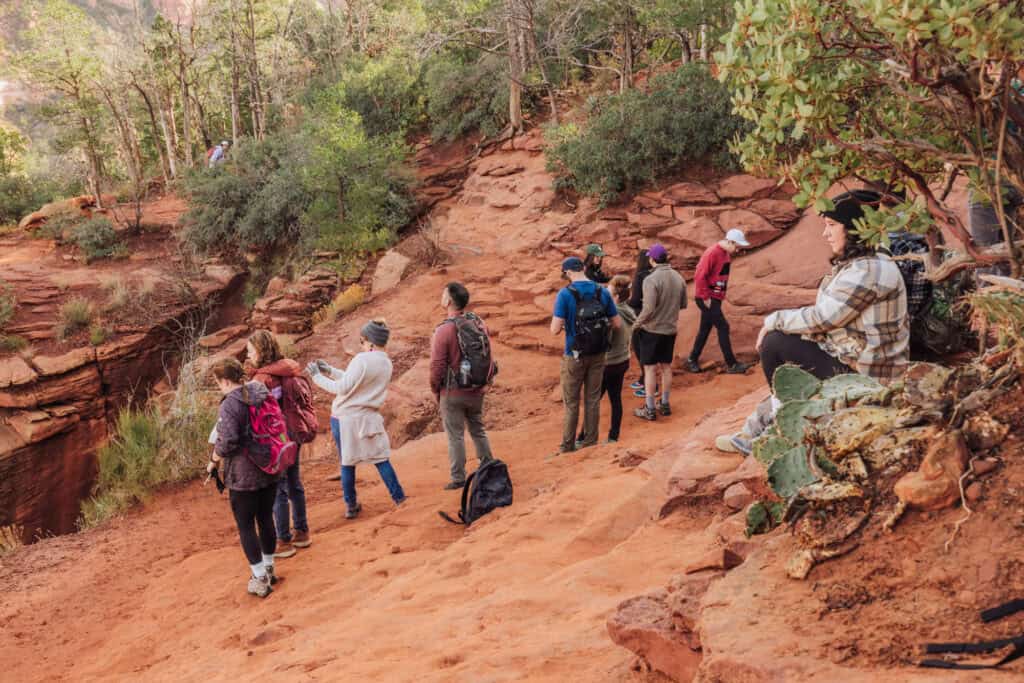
(593, 257)
(636, 302)
(250, 490)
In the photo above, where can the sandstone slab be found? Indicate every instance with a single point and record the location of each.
(744, 186)
(681, 194)
(781, 213)
(644, 625)
(14, 371)
(756, 228)
(390, 271)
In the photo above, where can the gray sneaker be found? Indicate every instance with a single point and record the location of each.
(742, 445)
(272, 576)
(260, 586)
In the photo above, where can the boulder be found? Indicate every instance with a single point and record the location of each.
(648, 223)
(648, 201)
(14, 371)
(644, 625)
(781, 213)
(58, 365)
(719, 558)
(756, 228)
(390, 271)
(740, 187)
(681, 194)
(936, 483)
(220, 273)
(699, 233)
(276, 286)
(222, 336)
(738, 496)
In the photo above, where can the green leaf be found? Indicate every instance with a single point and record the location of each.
(789, 473)
(790, 418)
(793, 383)
(770, 446)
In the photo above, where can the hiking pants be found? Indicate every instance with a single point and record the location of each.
(779, 348)
(348, 473)
(289, 489)
(584, 373)
(614, 376)
(459, 412)
(252, 510)
(712, 316)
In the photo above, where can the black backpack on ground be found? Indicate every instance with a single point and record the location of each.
(593, 327)
(475, 346)
(488, 488)
(987, 616)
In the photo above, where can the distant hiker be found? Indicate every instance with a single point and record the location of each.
(283, 376)
(250, 490)
(356, 423)
(461, 368)
(858, 323)
(585, 312)
(657, 325)
(219, 153)
(616, 360)
(636, 302)
(710, 282)
(593, 258)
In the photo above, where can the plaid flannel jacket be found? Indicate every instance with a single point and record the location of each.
(859, 317)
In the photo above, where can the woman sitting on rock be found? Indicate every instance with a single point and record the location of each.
(356, 422)
(250, 489)
(283, 377)
(858, 323)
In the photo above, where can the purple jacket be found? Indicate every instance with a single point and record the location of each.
(235, 442)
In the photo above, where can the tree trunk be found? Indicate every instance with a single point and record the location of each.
(186, 120)
(172, 162)
(235, 108)
(255, 88)
(158, 141)
(515, 22)
(626, 79)
(684, 46)
(703, 42)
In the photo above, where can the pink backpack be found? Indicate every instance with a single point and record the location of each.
(268, 429)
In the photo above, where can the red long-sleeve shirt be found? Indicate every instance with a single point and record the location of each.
(712, 276)
(446, 355)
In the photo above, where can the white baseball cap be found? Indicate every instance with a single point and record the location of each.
(736, 235)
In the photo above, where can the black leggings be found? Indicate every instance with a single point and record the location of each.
(252, 509)
(712, 317)
(612, 384)
(779, 348)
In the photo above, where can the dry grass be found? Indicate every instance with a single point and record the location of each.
(8, 303)
(10, 538)
(346, 302)
(76, 314)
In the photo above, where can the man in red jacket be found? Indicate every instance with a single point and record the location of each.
(461, 400)
(710, 282)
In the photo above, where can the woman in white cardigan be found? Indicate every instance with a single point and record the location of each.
(356, 422)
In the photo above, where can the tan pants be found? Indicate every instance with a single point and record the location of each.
(586, 373)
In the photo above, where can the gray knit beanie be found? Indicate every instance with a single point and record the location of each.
(376, 332)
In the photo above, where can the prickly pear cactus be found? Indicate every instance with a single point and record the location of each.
(790, 472)
(793, 383)
(845, 390)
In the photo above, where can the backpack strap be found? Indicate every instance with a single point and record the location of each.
(987, 616)
(1004, 610)
(465, 495)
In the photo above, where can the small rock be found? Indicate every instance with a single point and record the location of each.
(720, 558)
(985, 465)
(973, 492)
(738, 496)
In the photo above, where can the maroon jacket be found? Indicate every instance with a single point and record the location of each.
(271, 375)
(445, 356)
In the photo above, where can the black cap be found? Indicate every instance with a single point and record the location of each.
(849, 206)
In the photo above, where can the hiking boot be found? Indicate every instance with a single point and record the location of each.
(646, 413)
(353, 512)
(737, 369)
(454, 485)
(692, 366)
(636, 385)
(741, 444)
(272, 576)
(301, 539)
(665, 409)
(260, 586)
(640, 393)
(285, 549)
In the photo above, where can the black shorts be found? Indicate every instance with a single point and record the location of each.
(653, 348)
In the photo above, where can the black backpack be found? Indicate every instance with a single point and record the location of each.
(593, 327)
(475, 346)
(487, 488)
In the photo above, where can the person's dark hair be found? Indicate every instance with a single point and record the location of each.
(849, 207)
(589, 260)
(458, 294)
(228, 369)
(642, 261)
(267, 349)
(620, 288)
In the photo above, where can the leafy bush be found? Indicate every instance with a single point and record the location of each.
(636, 137)
(346, 302)
(385, 91)
(96, 238)
(464, 97)
(21, 195)
(8, 303)
(75, 315)
(151, 447)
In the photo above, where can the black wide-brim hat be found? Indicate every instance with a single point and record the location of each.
(849, 206)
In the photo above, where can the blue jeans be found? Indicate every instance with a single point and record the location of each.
(289, 488)
(348, 473)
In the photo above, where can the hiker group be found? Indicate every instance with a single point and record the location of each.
(858, 323)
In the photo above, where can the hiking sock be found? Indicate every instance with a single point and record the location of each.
(649, 401)
(268, 561)
(664, 397)
(258, 570)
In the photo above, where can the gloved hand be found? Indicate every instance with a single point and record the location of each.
(325, 367)
(313, 368)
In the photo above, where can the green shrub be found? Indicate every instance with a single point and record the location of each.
(96, 238)
(386, 93)
(463, 98)
(152, 447)
(8, 303)
(21, 195)
(634, 138)
(98, 334)
(75, 315)
(12, 343)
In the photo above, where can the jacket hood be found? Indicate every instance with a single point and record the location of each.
(254, 393)
(285, 367)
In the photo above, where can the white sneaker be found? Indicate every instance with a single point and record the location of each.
(260, 586)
